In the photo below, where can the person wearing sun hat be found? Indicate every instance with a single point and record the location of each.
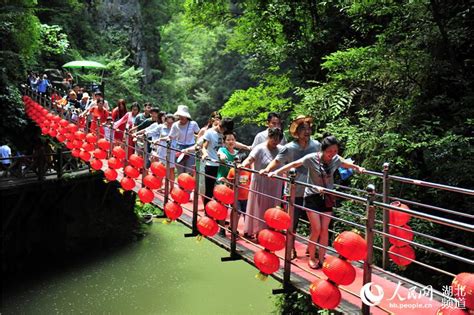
(300, 130)
(184, 131)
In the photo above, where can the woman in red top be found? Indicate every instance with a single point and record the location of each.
(119, 111)
(117, 114)
(98, 112)
(126, 123)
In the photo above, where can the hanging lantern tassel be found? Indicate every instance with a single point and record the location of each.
(267, 263)
(261, 276)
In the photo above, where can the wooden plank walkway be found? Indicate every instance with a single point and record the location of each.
(302, 276)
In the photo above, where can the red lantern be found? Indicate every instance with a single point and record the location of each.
(127, 183)
(72, 128)
(151, 181)
(110, 174)
(61, 138)
(450, 310)
(84, 155)
(118, 152)
(63, 123)
(407, 235)
(207, 226)
(158, 169)
(130, 171)
(351, 245)
(464, 280)
(114, 163)
(86, 146)
(173, 210)
(91, 138)
(69, 136)
(96, 164)
(44, 130)
(186, 181)
(79, 135)
(136, 160)
(69, 145)
(324, 294)
(266, 262)
(103, 144)
(53, 132)
(271, 240)
(399, 218)
(75, 152)
(338, 270)
(224, 194)
(100, 154)
(145, 195)
(405, 251)
(277, 218)
(216, 210)
(179, 195)
(77, 144)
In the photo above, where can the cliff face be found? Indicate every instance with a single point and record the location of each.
(125, 23)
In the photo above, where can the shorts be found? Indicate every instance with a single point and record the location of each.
(316, 202)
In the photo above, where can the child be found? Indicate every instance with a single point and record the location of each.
(109, 129)
(243, 187)
(227, 153)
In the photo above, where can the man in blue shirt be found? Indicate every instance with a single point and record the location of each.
(43, 84)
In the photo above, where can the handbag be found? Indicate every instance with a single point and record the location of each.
(329, 200)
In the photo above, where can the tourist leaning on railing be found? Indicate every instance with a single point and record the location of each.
(300, 129)
(321, 167)
(260, 157)
(126, 123)
(183, 131)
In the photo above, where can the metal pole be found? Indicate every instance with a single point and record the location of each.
(234, 216)
(111, 137)
(60, 162)
(385, 199)
(290, 237)
(197, 165)
(145, 161)
(167, 177)
(126, 146)
(369, 237)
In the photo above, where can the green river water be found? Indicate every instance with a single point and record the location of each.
(165, 273)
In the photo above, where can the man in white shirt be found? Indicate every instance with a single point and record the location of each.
(5, 154)
(273, 121)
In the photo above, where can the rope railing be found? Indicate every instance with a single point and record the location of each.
(371, 206)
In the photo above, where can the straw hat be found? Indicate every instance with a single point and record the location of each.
(301, 119)
(183, 110)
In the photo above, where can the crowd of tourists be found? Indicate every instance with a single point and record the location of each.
(145, 129)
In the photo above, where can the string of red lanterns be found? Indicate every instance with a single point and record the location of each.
(272, 240)
(401, 229)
